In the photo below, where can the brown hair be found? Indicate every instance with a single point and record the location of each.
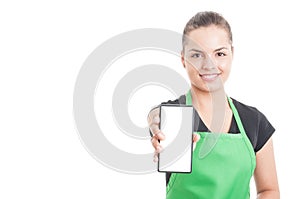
(205, 19)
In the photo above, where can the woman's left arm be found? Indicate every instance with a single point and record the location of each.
(265, 174)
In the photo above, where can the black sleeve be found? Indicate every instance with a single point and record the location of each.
(265, 131)
(257, 127)
(180, 100)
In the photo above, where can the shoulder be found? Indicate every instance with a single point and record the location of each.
(180, 100)
(249, 111)
(256, 124)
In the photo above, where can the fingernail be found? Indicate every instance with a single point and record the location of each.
(162, 135)
(158, 149)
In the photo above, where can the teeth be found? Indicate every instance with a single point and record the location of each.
(212, 76)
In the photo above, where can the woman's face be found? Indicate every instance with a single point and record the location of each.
(207, 57)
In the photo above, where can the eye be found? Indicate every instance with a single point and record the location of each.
(221, 54)
(196, 55)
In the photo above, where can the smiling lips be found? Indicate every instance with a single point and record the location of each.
(209, 77)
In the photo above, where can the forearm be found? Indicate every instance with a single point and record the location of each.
(270, 194)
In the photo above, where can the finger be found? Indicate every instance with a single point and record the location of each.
(154, 142)
(154, 128)
(156, 145)
(158, 149)
(152, 115)
(155, 157)
(156, 119)
(196, 138)
(160, 135)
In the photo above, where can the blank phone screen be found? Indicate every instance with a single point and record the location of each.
(176, 122)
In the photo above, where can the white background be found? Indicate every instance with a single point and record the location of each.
(42, 48)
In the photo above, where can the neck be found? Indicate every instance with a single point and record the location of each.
(211, 106)
(205, 99)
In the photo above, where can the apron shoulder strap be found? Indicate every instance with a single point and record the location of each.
(188, 98)
(236, 116)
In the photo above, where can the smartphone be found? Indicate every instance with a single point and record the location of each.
(176, 122)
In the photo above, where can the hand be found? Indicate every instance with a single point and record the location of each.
(158, 135)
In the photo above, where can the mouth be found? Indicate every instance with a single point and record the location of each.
(209, 77)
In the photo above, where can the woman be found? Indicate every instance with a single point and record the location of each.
(244, 148)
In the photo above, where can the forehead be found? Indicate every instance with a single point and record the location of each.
(208, 38)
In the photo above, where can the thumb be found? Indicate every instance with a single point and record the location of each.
(196, 138)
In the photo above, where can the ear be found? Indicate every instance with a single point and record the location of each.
(232, 50)
(182, 59)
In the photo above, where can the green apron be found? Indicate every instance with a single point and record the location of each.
(224, 173)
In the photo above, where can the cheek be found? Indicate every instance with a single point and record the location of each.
(225, 72)
(191, 71)
(225, 65)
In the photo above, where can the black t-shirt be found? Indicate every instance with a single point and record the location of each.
(256, 125)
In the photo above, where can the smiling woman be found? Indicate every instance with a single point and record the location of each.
(244, 145)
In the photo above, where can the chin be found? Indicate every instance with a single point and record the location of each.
(209, 86)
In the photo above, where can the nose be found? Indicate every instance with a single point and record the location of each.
(209, 63)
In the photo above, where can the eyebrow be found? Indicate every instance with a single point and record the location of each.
(216, 50)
